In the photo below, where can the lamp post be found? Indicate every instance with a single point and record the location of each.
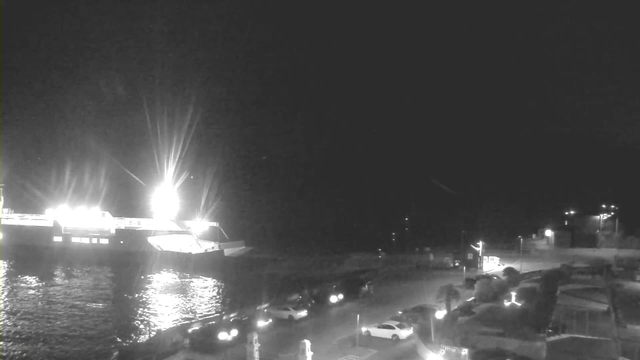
(617, 214)
(439, 315)
(479, 250)
(607, 212)
(520, 237)
(357, 331)
(569, 215)
(548, 234)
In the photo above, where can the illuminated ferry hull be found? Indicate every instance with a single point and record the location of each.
(166, 240)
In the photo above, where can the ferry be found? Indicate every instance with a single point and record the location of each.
(92, 230)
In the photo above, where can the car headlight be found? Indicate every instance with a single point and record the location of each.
(193, 329)
(263, 323)
(364, 329)
(234, 332)
(223, 335)
(340, 296)
(333, 299)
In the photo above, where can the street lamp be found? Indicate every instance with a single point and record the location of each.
(569, 213)
(548, 234)
(520, 237)
(439, 315)
(479, 250)
(606, 214)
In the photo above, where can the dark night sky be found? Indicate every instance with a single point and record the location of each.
(313, 118)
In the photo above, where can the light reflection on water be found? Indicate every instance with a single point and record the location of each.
(172, 298)
(52, 309)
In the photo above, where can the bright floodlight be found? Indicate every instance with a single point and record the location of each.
(548, 233)
(165, 203)
(199, 226)
(63, 209)
(440, 314)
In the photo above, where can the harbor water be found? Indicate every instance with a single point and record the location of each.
(69, 307)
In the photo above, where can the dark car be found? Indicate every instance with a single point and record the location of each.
(329, 294)
(419, 314)
(355, 288)
(215, 335)
(247, 321)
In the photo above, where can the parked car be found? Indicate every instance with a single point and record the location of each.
(247, 321)
(393, 330)
(288, 312)
(214, 335)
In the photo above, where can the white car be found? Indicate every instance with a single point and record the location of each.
(393, 330)
(288, 312)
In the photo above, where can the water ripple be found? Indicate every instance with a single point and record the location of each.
(51, 310)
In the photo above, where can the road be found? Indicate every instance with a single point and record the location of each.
(332, 331)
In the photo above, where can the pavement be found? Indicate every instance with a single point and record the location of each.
(332, 333)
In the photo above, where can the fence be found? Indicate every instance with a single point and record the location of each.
(630, 350)
(584, 322)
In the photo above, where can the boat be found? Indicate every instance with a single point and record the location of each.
(93, 231)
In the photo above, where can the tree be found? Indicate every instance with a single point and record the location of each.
(550, 282)
(448, 294)
(484, 292)
(527, 294)
(511, 275)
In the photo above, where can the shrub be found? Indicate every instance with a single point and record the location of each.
(549, 282)
(541, 313)
(506, 272)
(512, 276)
(465, 309)
(484, 292)
(526, 295)
(469, 283)
(448, 293)
(500, 288)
